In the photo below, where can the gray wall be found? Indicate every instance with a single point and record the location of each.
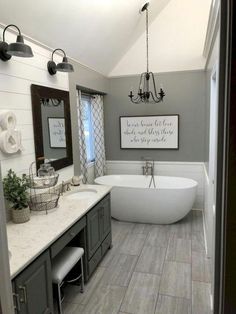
(85, 77)
(185, 95)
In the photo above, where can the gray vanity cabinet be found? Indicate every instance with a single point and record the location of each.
(98, 232)
(33, 287)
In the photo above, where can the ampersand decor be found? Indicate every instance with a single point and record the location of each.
(10, 137)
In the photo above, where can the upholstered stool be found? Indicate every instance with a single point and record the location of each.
(62, 265)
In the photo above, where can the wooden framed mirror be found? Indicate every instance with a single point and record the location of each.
(52, 126)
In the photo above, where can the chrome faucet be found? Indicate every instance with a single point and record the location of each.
(149, 168)
(65, 186)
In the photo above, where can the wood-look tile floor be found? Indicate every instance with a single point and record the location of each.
(151, 269)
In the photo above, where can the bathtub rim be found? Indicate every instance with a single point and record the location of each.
(194, 183)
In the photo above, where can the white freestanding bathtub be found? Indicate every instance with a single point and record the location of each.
(133, 200)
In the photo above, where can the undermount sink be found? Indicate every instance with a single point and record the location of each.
(81, 194)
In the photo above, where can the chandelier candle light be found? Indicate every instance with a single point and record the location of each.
(147, 78)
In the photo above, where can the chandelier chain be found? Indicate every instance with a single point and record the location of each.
(147, 91)
(147, 46)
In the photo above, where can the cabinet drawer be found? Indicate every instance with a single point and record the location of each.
(106, 244)
(67, 237)
(95, 260)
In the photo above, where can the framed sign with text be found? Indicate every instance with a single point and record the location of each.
(149, 132)
(57, 137)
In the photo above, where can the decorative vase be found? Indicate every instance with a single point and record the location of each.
(46, 170)
(20, 215)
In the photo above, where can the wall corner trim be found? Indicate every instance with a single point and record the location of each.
(212, 29)
(205, 227)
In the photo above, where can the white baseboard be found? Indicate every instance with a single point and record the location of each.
(205, 236)
(206, 215)
(211, 302)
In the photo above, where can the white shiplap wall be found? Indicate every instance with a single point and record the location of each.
(16, 77)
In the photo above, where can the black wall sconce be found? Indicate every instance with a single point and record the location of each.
(17, 49)
(63, 66)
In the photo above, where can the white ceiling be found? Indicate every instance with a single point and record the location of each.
(97, 33)
(177, 37)
(103, 34)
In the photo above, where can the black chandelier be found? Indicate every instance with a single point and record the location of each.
(147, 78)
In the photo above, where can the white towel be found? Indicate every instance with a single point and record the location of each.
(10, 141)
(7, 120)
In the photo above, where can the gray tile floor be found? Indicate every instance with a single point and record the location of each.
(151, 269)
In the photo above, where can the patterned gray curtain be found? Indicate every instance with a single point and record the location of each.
(82, 143)
(98, 132)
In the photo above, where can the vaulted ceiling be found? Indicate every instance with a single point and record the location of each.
(102, 34)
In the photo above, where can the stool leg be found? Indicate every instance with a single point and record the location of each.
(59, 298)
(82, 275)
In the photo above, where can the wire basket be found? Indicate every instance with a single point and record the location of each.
(44, 195)
(44, 201)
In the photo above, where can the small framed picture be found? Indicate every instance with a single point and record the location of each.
(57, 136)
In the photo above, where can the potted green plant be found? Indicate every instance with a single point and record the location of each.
(16, 193)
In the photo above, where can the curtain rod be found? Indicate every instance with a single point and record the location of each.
(87, 94)
(89, 91)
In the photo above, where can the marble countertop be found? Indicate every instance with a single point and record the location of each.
(28, 240)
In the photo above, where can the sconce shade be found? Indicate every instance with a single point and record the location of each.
(63, 66)
(18, 49)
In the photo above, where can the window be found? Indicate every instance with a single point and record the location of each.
(88, 129)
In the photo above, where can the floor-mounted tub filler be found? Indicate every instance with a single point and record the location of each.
(133, 200)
